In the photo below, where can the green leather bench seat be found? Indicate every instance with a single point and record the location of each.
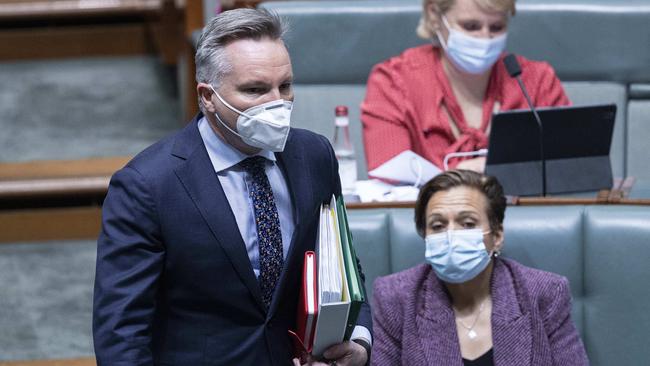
(617, 285)
(638, 139)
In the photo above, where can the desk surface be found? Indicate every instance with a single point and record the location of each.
(82, 182)
(67, 196)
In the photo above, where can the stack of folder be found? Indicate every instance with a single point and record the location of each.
(332, 290)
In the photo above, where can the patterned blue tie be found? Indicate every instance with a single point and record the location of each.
(267, 221)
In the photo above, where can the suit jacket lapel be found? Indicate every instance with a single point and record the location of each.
(198, 177)
(436, 325)
(296, 173)
(511, 327)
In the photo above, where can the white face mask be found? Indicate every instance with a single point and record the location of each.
(472, 54)
(457, 256)
(265, 126)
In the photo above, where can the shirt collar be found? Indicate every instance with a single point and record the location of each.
(222, 155)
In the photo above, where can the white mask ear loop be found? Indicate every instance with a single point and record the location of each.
(237, 110)
(219, 118)
(441, 39)
(228, 104)
(445, 22)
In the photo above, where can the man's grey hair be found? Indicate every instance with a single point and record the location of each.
(227, 27)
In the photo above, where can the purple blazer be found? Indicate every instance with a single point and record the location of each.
(414, 323)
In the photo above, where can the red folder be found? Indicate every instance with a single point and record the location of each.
(303, 337)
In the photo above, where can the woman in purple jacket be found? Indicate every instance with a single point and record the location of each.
(467, 305)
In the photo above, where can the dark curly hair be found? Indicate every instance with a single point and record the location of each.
(445, 181)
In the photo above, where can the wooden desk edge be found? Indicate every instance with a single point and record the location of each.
(54, 187)
(89, 361)
(67, 8)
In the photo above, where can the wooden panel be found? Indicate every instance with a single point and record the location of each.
(191, 96)
(50, 224)
(62, 168)
(232, 4)
(72, 362)
(54, 187)
(75, 41)
(604, 197)
(634, 201)
(194, 19)
(39, 181)
(28, 9)
(168, 32)
(193, 16)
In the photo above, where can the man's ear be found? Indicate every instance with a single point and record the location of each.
(205, 94)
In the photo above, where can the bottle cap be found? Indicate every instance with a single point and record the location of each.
(341, 110)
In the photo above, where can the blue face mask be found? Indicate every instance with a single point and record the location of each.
(457, 256)
(472, 55)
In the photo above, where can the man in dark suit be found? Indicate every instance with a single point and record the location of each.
(199, 261)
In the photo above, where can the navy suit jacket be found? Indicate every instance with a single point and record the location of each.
(174, 284)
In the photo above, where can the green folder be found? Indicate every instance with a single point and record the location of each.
(357, 289)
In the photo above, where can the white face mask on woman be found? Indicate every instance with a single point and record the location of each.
(472, 54)
(457, 256)
(265, 126)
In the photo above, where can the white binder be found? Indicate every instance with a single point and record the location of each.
(333, 292)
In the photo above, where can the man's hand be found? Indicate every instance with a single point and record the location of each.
(342, 354)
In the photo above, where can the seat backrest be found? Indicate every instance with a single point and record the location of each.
(338, 42)
(370, 232)
(549, 238)
(617, 284)
(638, 136)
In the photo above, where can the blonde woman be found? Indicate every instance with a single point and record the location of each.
(438, 98)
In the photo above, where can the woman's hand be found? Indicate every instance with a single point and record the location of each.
(476, 164)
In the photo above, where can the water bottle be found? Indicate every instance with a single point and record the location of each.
(344, 151)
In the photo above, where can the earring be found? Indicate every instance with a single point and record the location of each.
(496, 253)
